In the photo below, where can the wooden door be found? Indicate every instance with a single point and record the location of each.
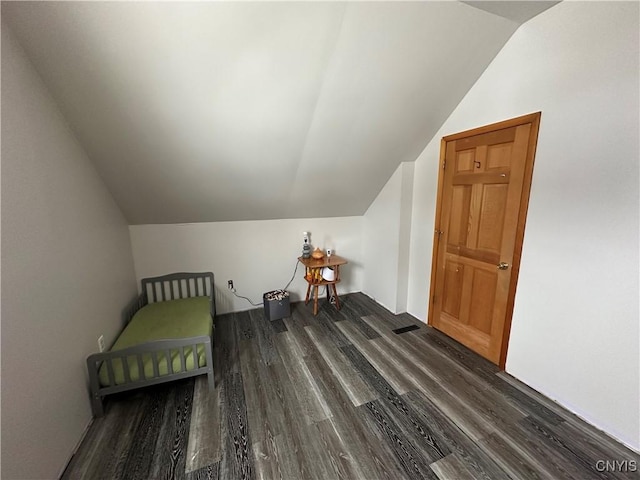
(483, 194)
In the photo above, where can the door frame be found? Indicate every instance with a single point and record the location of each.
(534, 120)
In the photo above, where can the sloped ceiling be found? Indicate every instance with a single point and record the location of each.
(519, 11)
(201, 112)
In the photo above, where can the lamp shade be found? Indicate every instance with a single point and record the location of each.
(328, 274)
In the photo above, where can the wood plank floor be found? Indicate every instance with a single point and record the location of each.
(341, 396)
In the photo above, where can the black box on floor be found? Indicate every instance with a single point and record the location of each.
(276, 304)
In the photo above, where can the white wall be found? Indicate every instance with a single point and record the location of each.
(406, 210)
(67, 272)
(387, 229)
(575, 327)
(258, 256)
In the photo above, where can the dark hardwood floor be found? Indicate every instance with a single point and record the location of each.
(341, 396)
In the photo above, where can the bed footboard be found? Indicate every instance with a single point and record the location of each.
(158, 351)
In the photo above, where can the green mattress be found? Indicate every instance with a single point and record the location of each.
(174, 319)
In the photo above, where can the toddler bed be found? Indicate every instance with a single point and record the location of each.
(167, 337)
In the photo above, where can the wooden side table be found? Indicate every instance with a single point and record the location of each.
(314, 278)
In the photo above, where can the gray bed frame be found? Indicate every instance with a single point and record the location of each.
(156, 289)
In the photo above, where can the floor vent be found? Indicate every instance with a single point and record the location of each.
(398, 331)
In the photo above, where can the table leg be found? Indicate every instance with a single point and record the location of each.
(315, 301)
(306, 298)
(335, 292)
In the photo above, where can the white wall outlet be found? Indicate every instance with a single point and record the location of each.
(101, 343)
(230, 284)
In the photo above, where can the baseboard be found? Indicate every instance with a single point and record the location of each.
(75, 449)
(561, 409)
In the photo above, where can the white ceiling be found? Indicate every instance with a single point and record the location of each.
(197, 112)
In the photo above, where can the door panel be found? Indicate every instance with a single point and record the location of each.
(492, 209)
(465, 160)
(453, 288)
(483, 293)
(459, 224)
(480, 224)
(498, 156)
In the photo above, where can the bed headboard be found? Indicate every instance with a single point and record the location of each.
(179, 285)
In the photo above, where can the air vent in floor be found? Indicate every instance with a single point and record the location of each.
(405, 329)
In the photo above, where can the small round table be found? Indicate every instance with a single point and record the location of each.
(313, 276)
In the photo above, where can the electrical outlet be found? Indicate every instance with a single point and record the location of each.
(230, 283)
(101, 343)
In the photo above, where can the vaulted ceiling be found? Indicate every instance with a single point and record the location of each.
(200, 112)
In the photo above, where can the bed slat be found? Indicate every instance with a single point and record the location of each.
(156, 370)
(112, 379)
(183, 362)
(167, 354)
(141, 375)
(125, 367)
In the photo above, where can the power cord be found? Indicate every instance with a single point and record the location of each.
(294, 275)
(332, 299)
(233, 290)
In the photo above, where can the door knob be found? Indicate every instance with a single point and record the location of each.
(503, 266)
